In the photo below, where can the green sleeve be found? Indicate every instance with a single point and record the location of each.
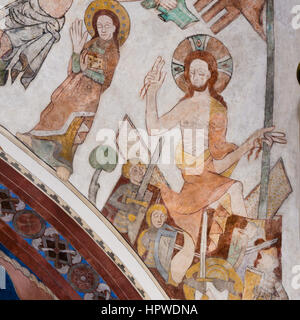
(76, 63)
(149, 4)
(96, 76)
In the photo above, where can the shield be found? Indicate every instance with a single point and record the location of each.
(163, 249)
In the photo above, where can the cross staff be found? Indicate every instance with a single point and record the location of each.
(269, 103)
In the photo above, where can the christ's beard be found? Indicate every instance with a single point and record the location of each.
(202, 88)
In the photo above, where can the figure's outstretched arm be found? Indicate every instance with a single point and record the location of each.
(114, 199)
(261, 135)
(157, 125)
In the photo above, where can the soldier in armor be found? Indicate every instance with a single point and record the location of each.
(270, 287)
(122, 198)
(156, 218)
(157, 245)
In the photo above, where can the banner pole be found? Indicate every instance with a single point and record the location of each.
(269, 104)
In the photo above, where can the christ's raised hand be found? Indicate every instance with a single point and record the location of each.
(154, 78)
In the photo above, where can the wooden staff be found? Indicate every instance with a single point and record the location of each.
(269, 103)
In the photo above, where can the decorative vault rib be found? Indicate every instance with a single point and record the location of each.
(52, 246)
(57, 213)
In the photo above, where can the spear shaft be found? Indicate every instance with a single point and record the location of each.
(269, 104)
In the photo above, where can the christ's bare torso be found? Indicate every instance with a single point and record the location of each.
(194, 125)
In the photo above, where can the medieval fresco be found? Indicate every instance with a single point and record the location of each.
(177, 122)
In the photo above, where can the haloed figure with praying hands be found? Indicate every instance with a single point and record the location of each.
(66, 121)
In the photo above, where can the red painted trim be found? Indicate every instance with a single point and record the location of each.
(31, 258)
(69, 229)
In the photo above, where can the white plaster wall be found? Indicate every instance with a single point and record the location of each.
(245, 96)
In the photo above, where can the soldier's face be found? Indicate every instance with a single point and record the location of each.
(106, 27)
(267, 263)
(136, 174)
(199, 73)
(158, 218)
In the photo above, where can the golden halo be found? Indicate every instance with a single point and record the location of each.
(203, 42)
(114, 7)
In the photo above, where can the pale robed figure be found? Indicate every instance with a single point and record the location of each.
(32, 27)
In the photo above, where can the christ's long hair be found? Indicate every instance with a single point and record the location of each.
(212, 67)
(116, 22)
